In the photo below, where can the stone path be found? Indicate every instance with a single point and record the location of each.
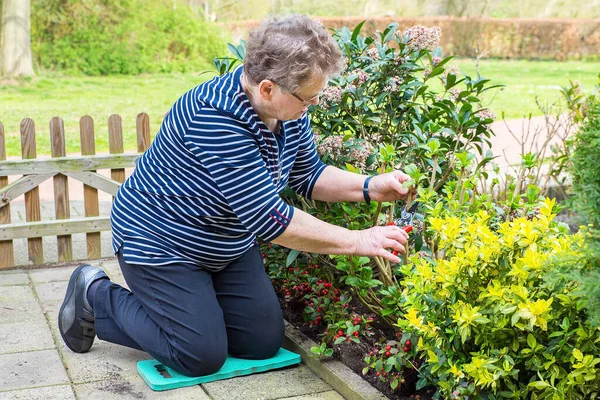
(35, 363)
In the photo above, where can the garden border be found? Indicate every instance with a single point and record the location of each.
(341, 378)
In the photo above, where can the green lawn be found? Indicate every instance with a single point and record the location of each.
(72, 97)
(524, 80)
(99, 97)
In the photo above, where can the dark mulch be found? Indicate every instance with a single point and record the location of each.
(352, 354)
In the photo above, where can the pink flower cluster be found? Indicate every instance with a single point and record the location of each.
(421, 37)
(373, 52)
(330, 145)
(361, 76)
(359, 156)
(436, 60)
(331, 95)
(393, 85)
(453, 70)
(485, 113)
(333, 146)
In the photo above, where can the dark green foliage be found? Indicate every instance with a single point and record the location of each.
(121, 37)
(585, 174)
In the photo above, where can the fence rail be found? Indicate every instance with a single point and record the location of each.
(32, 171)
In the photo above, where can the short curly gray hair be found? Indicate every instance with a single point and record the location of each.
(291, 51)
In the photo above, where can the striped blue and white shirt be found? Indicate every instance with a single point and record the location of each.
(210, 183)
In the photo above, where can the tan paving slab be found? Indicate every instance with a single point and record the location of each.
(331, 395)
(112, 268)
(18, 304)
(293, 381)
(51, 274)
(31, 369)
(51, 291)
(25, 336)
(44, 393)
(133, 387)
(18, 277)
(103, 361)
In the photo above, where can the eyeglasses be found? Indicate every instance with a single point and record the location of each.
(308, 102)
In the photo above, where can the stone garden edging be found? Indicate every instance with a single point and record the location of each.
(341, 378)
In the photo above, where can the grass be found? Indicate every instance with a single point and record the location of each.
(525, 80)
(73, 97)
(99, 97)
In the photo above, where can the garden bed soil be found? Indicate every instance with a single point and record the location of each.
(352, 354)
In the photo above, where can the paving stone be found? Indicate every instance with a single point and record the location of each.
(18, 304)
(18, 277)
(294, 381)
(51, 291)
(103, 361)
(31, 369)
(133, 387)
(331, 395)
(51, 274)
(43, 393)
(25, 336)
(112, 268)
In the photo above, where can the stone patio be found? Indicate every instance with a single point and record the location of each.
(35, 363)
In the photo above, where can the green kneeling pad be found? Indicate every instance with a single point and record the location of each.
(161, 377)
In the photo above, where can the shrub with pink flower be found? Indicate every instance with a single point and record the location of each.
(373, 53)
(420, 37)
(361, 76)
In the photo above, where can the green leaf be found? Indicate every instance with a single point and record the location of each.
(357, 30)
(421, 383)
(531, 341)
(291, 257)
(539, 384)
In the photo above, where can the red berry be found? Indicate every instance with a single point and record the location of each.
(406, 349)
(340, 332)
(387, 354)
(377, 374)
(388, 347)
(356, 334)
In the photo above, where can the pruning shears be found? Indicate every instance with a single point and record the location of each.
(405, 220)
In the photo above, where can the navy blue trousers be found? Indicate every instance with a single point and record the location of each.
(189, 318)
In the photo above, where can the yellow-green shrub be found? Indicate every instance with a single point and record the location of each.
(488, 324)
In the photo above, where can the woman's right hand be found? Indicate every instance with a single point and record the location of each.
(379, 241)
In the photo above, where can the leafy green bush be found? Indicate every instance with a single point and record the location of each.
(585, 199)
(121, 37)
(488, 325)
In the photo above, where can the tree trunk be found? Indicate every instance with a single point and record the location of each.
(15, 38)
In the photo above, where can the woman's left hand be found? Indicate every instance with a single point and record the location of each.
(388, 187)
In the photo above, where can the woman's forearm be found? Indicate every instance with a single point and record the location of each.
(335, 185)
(307, 233)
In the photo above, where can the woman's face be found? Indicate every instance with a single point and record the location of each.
(286, 106)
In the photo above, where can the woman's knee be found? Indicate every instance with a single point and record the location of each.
(257, 342)
(201, 360)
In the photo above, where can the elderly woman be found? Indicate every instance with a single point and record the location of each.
(185, 223)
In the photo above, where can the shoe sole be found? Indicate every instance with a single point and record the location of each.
(68, 298)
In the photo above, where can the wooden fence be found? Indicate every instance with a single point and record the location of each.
(33, 171)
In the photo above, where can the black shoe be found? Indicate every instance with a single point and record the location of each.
(76, 317)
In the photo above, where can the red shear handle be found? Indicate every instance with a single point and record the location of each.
(407, 229)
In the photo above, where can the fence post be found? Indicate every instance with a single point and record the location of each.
(32, 198)
(115, 145)
(7, 254)
(142, 125)
(61, 188)
(90, 194)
